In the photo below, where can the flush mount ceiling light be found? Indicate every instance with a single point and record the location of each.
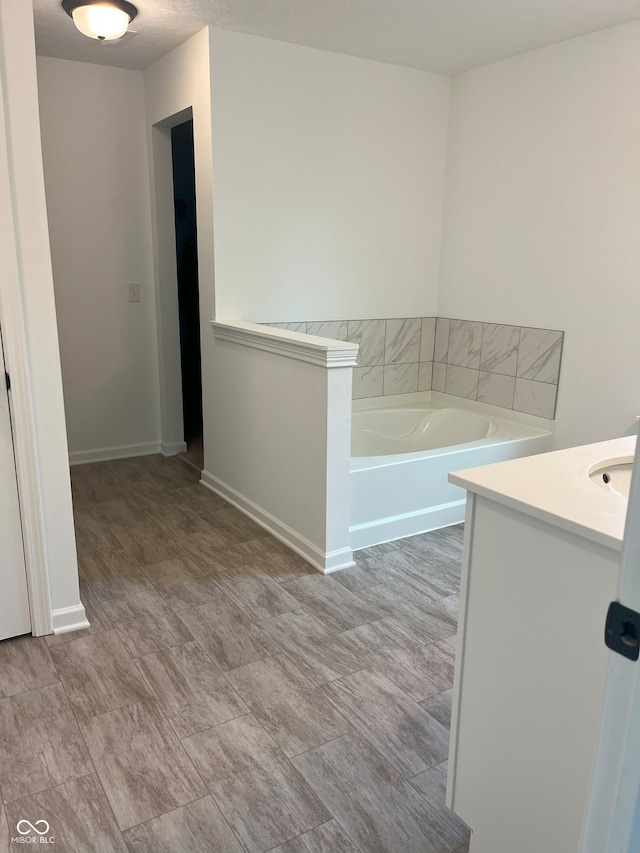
(101, 19)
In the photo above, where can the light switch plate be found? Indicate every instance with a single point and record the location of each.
(134, 292)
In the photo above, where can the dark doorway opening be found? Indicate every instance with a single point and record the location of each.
(184, 192)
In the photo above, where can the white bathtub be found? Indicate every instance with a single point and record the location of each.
(402, 451)
(389, 431)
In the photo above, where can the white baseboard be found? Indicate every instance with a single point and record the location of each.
(325, 562)
(336, 560)
(68, 619)
(105, 454)
(399, 526)
(172, 448)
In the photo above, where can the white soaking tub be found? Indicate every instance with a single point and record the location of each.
(403, 449)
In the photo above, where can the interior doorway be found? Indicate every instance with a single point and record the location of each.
(184, 192)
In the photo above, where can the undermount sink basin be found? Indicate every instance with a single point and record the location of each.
(614, 475)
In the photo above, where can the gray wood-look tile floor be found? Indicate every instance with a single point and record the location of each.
(227, 697)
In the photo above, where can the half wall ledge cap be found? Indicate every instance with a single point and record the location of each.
(323, 352)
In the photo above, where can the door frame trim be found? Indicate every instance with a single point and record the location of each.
(22, 415)
(166, 278)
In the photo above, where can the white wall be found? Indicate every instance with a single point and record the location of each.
(328, 183)
(175, 85)
(36, 341)
(97, 187)
(542, 215)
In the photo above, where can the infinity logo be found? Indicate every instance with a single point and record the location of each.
(31, 828)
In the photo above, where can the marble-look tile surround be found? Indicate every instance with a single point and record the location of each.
(515, 367)
(395, 355)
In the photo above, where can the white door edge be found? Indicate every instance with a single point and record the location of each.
(612, 811)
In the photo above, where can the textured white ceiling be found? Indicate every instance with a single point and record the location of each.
(445, 36)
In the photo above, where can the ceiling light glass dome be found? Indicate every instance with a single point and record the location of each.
(101, 19)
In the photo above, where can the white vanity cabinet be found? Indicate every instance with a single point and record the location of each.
(541, 564)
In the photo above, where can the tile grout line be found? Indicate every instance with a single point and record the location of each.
(285, 760)
(169, 811)
(90, 756)
(184, 805)
(160, 710)
(33, 689)
(373, 671)
(334, 819)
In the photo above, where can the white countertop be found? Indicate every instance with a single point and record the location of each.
(555, 488)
